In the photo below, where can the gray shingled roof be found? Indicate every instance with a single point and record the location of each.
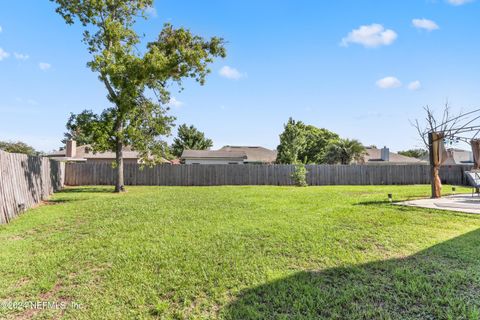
(374, 155)
(213, 154)
(82, 154)
(459, 156)
(254, 153)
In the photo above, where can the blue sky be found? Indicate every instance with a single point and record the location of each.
(361, 68)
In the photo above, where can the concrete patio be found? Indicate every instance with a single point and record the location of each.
(460, 202)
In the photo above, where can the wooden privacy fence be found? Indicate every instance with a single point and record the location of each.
(77, 174)
(26, 181)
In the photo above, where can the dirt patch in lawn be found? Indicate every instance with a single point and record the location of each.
(47, 301)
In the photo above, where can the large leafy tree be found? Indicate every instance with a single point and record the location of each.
(189, 138)
(344, 151)
(132, 76)
(317, 140)
(301, 143)
(292, 142)
(80, 127)
(18, 147)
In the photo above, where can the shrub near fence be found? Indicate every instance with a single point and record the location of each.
(25, 181)
(212, 175)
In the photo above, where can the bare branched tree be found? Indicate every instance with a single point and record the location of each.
(445, 124)
(447, 128)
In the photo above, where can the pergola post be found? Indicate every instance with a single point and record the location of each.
(435, 150)
(432, 168)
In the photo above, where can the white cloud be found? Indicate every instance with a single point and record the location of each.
(370, 36)
(20, 56)
(1, 29)
(3, 54)
(152, 12)
(175, 103)
(231, 73)
(31, 102)
(388, 83)
(426, 24)
(44, 66)
(369, 114)
(414, 85)
(458, 2)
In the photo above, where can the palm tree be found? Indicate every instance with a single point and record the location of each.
(344, 151)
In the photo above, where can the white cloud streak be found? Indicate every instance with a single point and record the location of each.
(425, 24)
(370, 36)
(458, 2)
(44, 66)
(152, 12)
(414, 85)
(175, 103)
(3, 54)
(231, 73)
(20, 56)
(388, 83)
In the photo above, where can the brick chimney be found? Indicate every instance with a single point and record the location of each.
(71, 149)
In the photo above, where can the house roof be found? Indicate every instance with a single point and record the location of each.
(459, 156)
(254, 153)
(375, 155)
(456, 156)
(83, 153)
(213, 154)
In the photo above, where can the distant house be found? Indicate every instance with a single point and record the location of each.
(377, 156)
(459, 156)
(212, 157)
(254, 154)
(456, 156)
(74, 153)
(230, 155)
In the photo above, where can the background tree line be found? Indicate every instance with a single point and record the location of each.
(19, 147)
(415, 153)
(307, 144)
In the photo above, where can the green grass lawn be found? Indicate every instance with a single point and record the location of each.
(241, 253)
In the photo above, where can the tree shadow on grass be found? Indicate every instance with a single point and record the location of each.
(52, 202)
(372, 203)
(386, 201)
(87, 190)
(442, 282)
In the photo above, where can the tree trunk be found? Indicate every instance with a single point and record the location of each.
(119, 183)
(434, 170)
(437, 184)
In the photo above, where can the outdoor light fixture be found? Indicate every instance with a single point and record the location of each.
(390, 197)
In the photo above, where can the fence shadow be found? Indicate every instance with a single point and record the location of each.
(55, 175)
(437, 283)
(32, 168)
(24, 182)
